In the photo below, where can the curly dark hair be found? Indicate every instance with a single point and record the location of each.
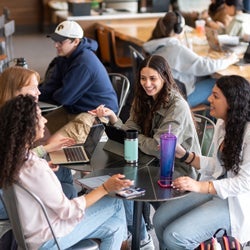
(144, 106)
(18, 119)
(236, 89)
(214, 6)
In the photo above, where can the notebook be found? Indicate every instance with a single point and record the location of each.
(115, 144)
(79, 153)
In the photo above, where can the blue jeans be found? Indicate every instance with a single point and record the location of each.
(64, 175)
(203, 90)
(129, 209)
(185, 222)
(3, 214)
(104, 220)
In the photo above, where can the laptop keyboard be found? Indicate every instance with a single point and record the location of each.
(74, 154)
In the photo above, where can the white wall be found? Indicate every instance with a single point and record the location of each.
(193, 5)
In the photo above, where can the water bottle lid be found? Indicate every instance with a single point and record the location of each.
(131, 134)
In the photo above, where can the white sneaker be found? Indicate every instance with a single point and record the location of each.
(147, 244)
(144, 244)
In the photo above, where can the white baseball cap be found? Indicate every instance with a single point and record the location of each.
(66, 29)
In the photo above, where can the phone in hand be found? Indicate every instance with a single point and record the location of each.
(131, 192)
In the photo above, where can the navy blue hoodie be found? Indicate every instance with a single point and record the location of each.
(79, 82)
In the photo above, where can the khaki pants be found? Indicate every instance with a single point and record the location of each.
(76, 126)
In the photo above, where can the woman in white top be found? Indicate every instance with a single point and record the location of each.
(221, 198)
(187, 67)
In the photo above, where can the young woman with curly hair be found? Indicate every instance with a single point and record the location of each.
(157, 105)
(221, 198)
(94, 215)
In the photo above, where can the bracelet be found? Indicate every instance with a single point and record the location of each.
(191, 159)
(183, 158)
(105, 188)
(209, 187)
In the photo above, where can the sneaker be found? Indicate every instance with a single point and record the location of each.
(147, 244)
(144, 245)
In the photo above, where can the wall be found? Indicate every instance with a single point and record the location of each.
(28, 14)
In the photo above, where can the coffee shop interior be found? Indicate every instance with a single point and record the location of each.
(120, 28)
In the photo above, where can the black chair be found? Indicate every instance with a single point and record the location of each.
(14, 213)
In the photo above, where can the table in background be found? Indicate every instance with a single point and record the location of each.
(139, 33)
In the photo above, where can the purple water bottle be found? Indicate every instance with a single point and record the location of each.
(167, 156)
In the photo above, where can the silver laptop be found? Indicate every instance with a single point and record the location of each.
(115, 144)
(79, 153)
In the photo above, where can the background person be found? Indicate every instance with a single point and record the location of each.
(157, 105)
(77, 80)
(187, 67)
(239, 26)
(221, 198)
(88, 216)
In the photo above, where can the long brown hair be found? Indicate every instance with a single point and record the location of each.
(12, 80)
(144, 106)
(164, 26)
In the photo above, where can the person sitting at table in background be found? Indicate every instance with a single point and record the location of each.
(93, 215)
(77, 80)
(221, 198)
(192, 70)
(216, 17)
(157, 104)
(239, 26)
(18, 80)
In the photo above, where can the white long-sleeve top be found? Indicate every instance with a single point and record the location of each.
(235, 188)
(186, 65)
(64, 214)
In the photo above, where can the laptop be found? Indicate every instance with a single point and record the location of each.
(79, 153)
(45, 105)
(223, 43)
(115, 144)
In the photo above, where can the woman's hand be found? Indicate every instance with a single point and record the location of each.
(59, 144)
(101, 111)
(54, 167)
(117, 182)
(186, 183)
(179, 151)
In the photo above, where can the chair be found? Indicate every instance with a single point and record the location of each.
(108, 52)
(12, 208)
(136, 58)
(121, 86)
(205, 129)
(9, 29)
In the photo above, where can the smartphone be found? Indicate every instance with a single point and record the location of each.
(131, 192)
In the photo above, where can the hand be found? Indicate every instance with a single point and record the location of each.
(186, 183)
(179, 151)
(233, 58)
(101, 111)
(53, 166)
(117, 182)
(59, 144)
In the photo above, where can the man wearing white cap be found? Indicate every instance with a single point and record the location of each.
(77, 80)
